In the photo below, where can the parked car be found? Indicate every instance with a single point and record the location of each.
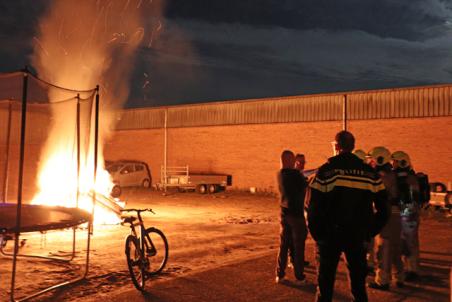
(440, 196)
(128, 173)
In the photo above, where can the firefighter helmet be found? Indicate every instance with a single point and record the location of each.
(402, 158)
(380, 155)
(360, 153)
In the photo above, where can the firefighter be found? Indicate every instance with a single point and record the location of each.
(388, 242)
(341, 218)
(410, 202)
(361, 154)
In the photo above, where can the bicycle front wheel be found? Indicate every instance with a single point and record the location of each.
(135, 262)
(156, 250)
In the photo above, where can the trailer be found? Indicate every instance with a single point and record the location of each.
(181, 178)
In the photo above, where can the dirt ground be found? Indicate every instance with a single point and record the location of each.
(203, 231)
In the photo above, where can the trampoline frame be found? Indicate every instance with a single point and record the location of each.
(15, 255)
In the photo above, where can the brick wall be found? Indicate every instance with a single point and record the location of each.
(251, 152)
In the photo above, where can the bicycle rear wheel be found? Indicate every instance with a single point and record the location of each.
(156, 250)
(137, 268)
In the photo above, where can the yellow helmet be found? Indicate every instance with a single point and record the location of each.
(380, 155)
(360, 153)
(402, 158)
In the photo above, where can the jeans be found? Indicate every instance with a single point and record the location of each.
(328, 254)
(292, 234)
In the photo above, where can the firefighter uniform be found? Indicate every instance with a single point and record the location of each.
(388, 242)
(410, 203)
(341, 219)
(371, 247)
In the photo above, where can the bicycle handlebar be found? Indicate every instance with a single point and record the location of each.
(138, 210)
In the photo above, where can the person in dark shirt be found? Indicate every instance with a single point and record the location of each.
(300, 162)
(341, 218)
(293, 229)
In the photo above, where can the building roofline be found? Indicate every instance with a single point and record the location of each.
(291, 97)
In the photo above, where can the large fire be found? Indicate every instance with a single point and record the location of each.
(82, 44)
(66, 189)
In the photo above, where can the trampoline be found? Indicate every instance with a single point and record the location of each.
(24, 124)
(39, 218)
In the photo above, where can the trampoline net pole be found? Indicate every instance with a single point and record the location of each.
(20, 180)
(78, 172)
(8, 142)
(96, 138)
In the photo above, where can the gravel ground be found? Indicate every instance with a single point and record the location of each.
(206, 233)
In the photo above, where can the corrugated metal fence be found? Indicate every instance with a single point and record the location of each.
(426, 101)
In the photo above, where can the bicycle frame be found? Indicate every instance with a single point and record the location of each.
(143, 244)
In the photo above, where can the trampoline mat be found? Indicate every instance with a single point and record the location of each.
(36, 218)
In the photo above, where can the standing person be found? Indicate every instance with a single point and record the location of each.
(341, 217)
(410, 207)
(300, 162)
(388, 242)
(292, 222)
(371, 247)
(361, 154)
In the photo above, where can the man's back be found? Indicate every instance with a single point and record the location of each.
(341, 205)
(292, 186)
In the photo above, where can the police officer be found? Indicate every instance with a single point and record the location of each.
(388, 242)
(341, 217)
(410, 203)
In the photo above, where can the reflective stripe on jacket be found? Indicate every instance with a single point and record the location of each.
(344, 193)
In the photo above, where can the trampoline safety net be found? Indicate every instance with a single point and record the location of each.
(58, 141)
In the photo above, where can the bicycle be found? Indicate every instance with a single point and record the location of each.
(147, 253)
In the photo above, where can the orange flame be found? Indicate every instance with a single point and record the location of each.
(82, 44)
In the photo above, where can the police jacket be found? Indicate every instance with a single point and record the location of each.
(343, 194)
(292, 187)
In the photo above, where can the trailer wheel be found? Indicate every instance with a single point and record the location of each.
(213, 189)
(201, 189)
(146, 183)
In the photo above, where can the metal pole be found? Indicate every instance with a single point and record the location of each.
(20, 180)
(78, 172)
(96, 143)
(96, 138)
(165, 153)
(78, 150)
(8, 142)
(344, 114)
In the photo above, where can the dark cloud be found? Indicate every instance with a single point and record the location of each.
(231, 61)
(220, 50)
(18, 22)
(407, 19)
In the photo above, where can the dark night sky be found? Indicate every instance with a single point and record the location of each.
(217, 50)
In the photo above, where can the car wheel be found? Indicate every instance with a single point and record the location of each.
(116, 191)
(213, 189)
(146, 183)
(201, 189)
